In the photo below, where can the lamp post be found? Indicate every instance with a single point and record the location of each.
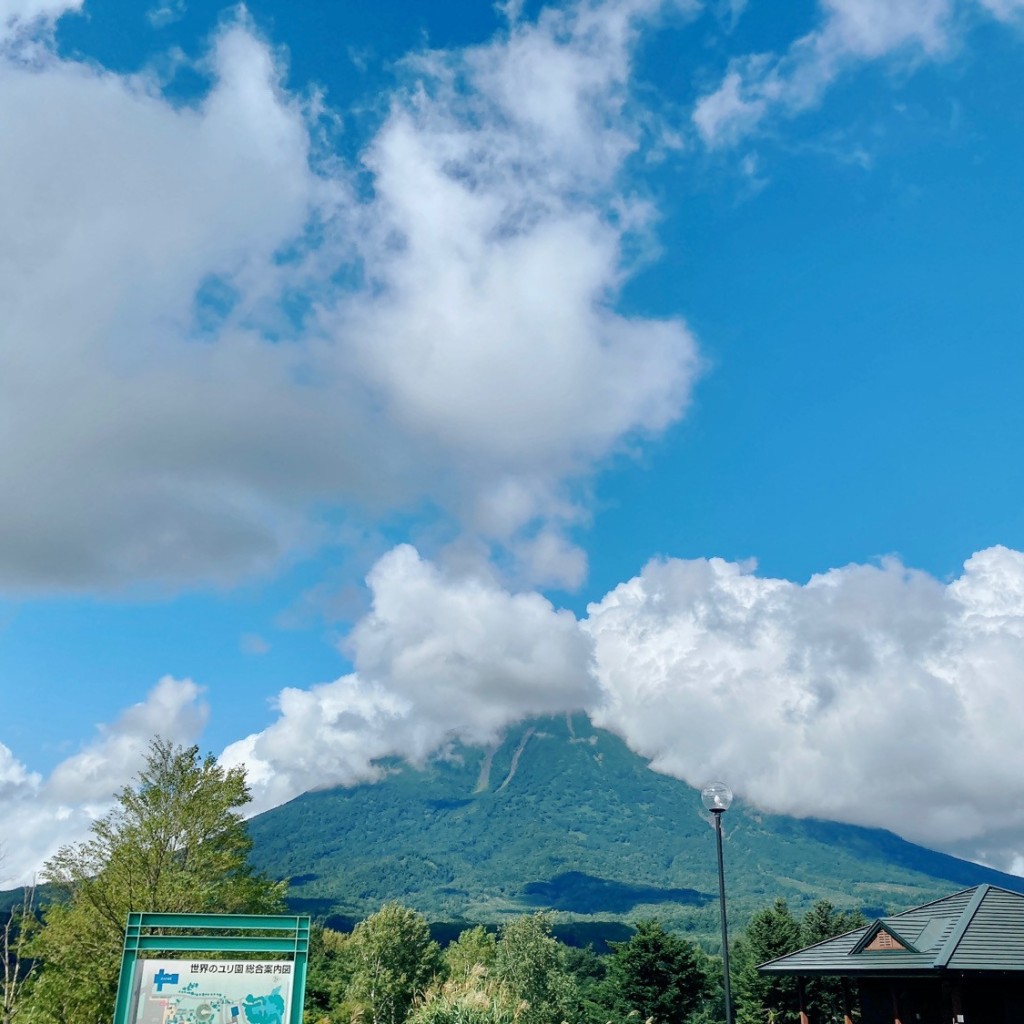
(716, 797)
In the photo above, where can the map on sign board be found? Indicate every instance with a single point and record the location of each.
(212, 992)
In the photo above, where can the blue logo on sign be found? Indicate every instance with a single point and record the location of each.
(162, 978)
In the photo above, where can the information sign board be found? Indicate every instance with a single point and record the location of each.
(165, 978)
(213, 992)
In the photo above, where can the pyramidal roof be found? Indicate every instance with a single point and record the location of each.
(978, 929)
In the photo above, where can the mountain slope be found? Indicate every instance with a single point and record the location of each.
(565, 816)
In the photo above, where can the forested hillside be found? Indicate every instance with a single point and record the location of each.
(564, 816)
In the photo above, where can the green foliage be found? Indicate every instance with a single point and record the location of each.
(760, 998)
(394, 960)
(530, 964)
(824, 996)
(475, 947)
(329, 973)
(582, 826)
(656, 976)
(174, 843)
(588, 970)
(768, 999)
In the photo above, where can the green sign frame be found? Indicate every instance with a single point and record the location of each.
(214, 933)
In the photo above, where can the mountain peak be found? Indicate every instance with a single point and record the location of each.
(563, 815)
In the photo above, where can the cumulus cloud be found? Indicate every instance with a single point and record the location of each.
(439, 656)
(190, 373)
(491, 327)
(872, 694)
(850, 32)
(40, 814)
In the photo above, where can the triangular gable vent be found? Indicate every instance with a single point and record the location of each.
(879, 938)
(884, 940)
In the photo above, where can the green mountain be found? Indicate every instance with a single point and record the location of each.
(564, 816)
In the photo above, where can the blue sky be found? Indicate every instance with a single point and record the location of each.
(379, 376)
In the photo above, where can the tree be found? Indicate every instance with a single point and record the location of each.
(824, 996)
(394, 960)
(766, 999)
(329, 976)
(530, 963)
(655, 975)
(175, 842)
(475, 947)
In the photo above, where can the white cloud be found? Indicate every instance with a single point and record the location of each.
(492, 328)
(1004, 10)
(132, 447)
(437, 657)
(21, 16)
(165, 13)
(41, 815)
(726, 113)
(851, 31)
(874, 695)
(164, 418)
(172, 709)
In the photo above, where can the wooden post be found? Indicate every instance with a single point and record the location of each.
(895, 1004)
(804, 1019)
(847, 1012)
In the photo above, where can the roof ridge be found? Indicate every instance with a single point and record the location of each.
(966, 916)
(940, 899)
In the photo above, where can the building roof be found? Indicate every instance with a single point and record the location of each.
(978, 929)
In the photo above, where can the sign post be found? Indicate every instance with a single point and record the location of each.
(177, 990)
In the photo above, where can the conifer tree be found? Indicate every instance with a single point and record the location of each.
(823, 921)
(656, 976)
(760, 998)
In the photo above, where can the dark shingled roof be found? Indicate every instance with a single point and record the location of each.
(979, 929)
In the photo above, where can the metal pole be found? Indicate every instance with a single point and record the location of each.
(725, 929)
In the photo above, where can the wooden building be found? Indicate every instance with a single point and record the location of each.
(957, 960)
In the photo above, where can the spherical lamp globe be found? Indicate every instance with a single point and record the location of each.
(716, 797)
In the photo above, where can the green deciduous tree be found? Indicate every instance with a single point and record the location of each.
(656, 976)
(394, 960)
(475, 947)
(530, 963)
(175, 843)
(329, 976)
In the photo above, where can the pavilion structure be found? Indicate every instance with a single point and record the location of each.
(957, 960)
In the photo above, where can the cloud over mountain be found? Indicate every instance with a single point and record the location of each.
(872, 694)
(226, 342)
